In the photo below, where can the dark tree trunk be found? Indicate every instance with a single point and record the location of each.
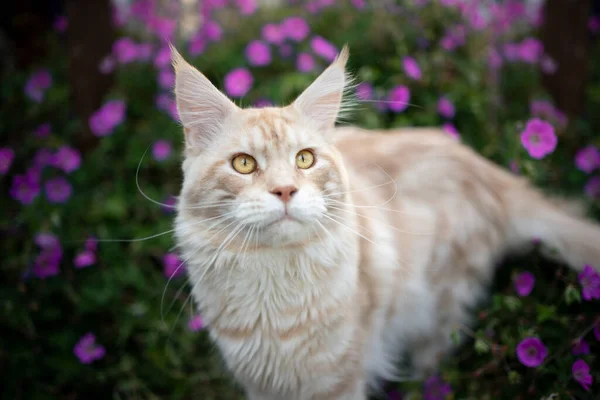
(90, 36)
(566, 39)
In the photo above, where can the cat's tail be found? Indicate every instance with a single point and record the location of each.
(560, 225)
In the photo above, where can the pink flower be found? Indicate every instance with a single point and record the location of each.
(360, 4)
(435, 388)
(451, 130)
(25, 188)
(411, 68)
(587, 159)
(163, 57)
(163, 28)
(272, 33)
(364, 91)
(58, 190)
(161, 150)
(538, 138)
(107, 65)
(42, 130)
(169, 205)
(263, 103)
(172, 266)
(144, 51)
(246, 7)
(398, 98)
(531, 352)
(213, 31)
(61, 23)
(37, 84)
(196, 324)
(91, 244)
(104, 121)
(166, 78)
(581, 347)
(197, 45)
(581, 373)
(524, 283)
(548, 65)
(238, 82)
(84, 259)
(305, 62)
(590, 283)
(530, 50)
(511, 51)
(87, 350)
(7, 156)
(258, 53)
(125, 50)
(592, 187)
(66, 158)
(494, 59)
(295, 28)
(47, 263)
(323, 48)
(445, 108)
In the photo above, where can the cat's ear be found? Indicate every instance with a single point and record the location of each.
(201, 106)
(321, 102)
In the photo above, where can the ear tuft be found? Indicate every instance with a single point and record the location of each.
(202, 107)
(322, 102)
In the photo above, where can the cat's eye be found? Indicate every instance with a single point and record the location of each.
(305, 159)
(244, 163)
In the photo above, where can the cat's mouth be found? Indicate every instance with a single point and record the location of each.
(284, 219)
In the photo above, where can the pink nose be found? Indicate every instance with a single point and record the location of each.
(284, 193)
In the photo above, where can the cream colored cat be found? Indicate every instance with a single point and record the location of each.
(318, 255)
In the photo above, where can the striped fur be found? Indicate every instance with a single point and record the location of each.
(390, 240)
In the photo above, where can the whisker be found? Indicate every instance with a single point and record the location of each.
(376, 220)
(350, 229)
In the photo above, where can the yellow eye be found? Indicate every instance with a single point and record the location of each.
(244, 164)
(305, 159)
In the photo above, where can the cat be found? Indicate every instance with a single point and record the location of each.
(318, 254)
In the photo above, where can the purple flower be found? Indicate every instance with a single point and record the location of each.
(87, 350)
(360, 4)
(195, 323)
(594, 24)
(548, 65)
(197, 45)
(166, 78)
(323, 48)
(364, 91)
(37, 84)
(398, 98)
(436, 389)
(168, 206)
(538, 138)
(305, 62)
(258, 53)
(172, 266)
(530, 50)
(91, 243)
(524, 283)
(161, 150)
(25, 188)
(545, 110)
(125, 50)
(597, 331)
(107, 65)
(295, 28)
(61, 23)
(588, 159)
(7, 156)
(511, 51)
(581, 373)
(42, 130)
(445, 107)
(163, 57)
(494, 59)
(107, 118)
(238, 82)
(581, 347)
(213, 31)
(48, 261)
(163, 28)
(451, 130)
(590, 283)
(285, 50)
(66, 158)
(58, 190)
(42, 158)
(592, 187)
(531, 352)
(246, 7)
(272, 33)
(84, 259)
(144, 51)
(411, 68)
(394, 395)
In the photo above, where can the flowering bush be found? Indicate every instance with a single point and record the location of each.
(94, 301)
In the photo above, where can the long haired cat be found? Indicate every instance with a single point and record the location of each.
(317, 255)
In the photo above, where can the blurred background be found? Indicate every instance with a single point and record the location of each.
(94, 303)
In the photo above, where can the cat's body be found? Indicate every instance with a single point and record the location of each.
(313, 279)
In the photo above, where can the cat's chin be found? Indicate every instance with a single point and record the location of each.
(286, 231)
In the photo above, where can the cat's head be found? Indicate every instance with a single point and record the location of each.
(268, 175)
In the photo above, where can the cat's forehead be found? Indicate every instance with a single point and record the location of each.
(270, 129)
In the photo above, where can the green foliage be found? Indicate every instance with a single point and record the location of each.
(141, 318)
